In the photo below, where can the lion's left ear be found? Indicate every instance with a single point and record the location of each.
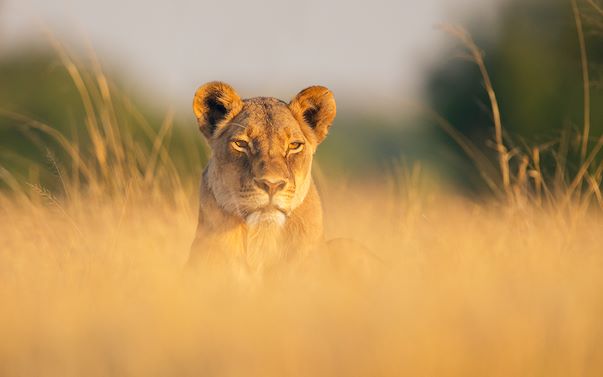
(315, 106)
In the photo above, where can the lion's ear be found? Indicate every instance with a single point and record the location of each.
(215, 103)
(315, 106)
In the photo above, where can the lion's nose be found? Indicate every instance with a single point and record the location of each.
(270, 186)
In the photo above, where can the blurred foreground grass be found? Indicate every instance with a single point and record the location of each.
(96, 287)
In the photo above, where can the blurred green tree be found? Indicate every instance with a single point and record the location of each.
(535, 67)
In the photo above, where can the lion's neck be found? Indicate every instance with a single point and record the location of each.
(222, 236)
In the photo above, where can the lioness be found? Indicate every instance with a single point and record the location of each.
(258, 202)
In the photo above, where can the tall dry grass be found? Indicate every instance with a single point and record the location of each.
(92, 281)
(465, 289)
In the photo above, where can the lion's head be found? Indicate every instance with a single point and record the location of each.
(262, 148)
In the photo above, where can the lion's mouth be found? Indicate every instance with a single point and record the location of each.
(266, 207)
(272, 208)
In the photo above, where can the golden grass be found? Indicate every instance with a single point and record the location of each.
(97, 288)
(92, 282)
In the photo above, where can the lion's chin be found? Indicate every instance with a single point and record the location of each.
(270, 216)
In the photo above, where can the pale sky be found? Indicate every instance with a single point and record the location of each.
(365, 51)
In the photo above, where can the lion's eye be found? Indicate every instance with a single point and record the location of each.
(296, 146)
(240, 144)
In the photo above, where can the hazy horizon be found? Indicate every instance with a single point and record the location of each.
(372, 53)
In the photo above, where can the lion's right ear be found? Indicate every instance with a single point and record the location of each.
(215, 103)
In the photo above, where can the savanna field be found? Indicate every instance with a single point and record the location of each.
(95, 286)
(505, 283)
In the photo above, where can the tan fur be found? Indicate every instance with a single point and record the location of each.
(240, 218)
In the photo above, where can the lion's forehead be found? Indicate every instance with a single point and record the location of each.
(266, 119)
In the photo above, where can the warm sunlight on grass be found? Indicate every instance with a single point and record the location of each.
(97, 288)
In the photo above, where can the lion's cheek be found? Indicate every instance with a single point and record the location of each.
(301, 190)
